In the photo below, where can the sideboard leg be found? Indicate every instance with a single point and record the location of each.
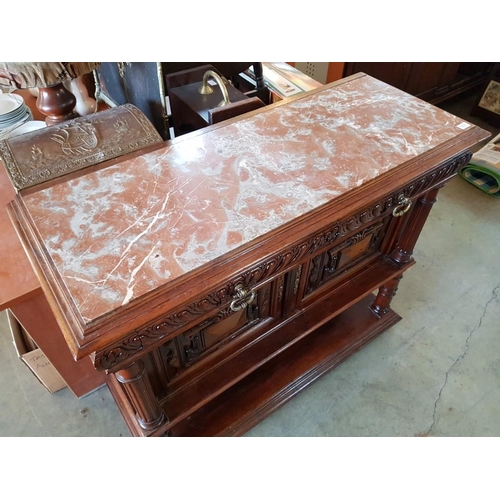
(137, 386)
(386, 293)
(404, 249)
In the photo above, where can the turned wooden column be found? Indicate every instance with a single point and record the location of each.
(382, 303)
(57, 103)
(404, 248)
(136, 385)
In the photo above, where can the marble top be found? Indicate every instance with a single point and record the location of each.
(120, 232)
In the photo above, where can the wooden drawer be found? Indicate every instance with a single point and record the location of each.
(179, 360)
(344, 257)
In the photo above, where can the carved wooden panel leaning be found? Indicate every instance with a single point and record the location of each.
(55, 151)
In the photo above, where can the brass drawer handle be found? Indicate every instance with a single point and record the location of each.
(242, 298)
(404, 204)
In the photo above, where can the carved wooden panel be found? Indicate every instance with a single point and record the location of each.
(173, 358)
(55, 151)
(340, 258)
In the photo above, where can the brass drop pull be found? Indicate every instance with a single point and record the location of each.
(404, 204)
(242, 298)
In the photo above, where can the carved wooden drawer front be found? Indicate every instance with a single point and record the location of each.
(171, 364)
(344, 256)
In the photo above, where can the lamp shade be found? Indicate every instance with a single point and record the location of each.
(23, 75)
(54, 100)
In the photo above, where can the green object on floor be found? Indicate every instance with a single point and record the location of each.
(484, 177)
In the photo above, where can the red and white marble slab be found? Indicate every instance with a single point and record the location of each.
(117, 233)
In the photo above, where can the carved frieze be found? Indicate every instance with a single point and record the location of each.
(148, 336)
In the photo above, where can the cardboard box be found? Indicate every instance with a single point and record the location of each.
(33, 357)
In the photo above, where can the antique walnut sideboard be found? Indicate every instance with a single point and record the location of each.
(216, 275)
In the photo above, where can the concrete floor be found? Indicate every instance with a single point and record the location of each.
(436, 373)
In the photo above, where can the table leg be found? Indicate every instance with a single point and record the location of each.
(382, 303)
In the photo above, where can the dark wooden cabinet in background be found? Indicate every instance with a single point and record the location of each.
(431, 81)
(147, 86)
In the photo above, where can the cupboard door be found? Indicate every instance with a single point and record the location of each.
(428, 78)
(342, 258)
(170, 364)
(393, 73)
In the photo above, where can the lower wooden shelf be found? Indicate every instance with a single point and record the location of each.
(252, 399)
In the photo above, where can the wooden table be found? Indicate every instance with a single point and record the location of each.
(218, 274)
(21, 293)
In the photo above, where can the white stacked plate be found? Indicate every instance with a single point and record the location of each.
(13, 113)
(27, 127)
